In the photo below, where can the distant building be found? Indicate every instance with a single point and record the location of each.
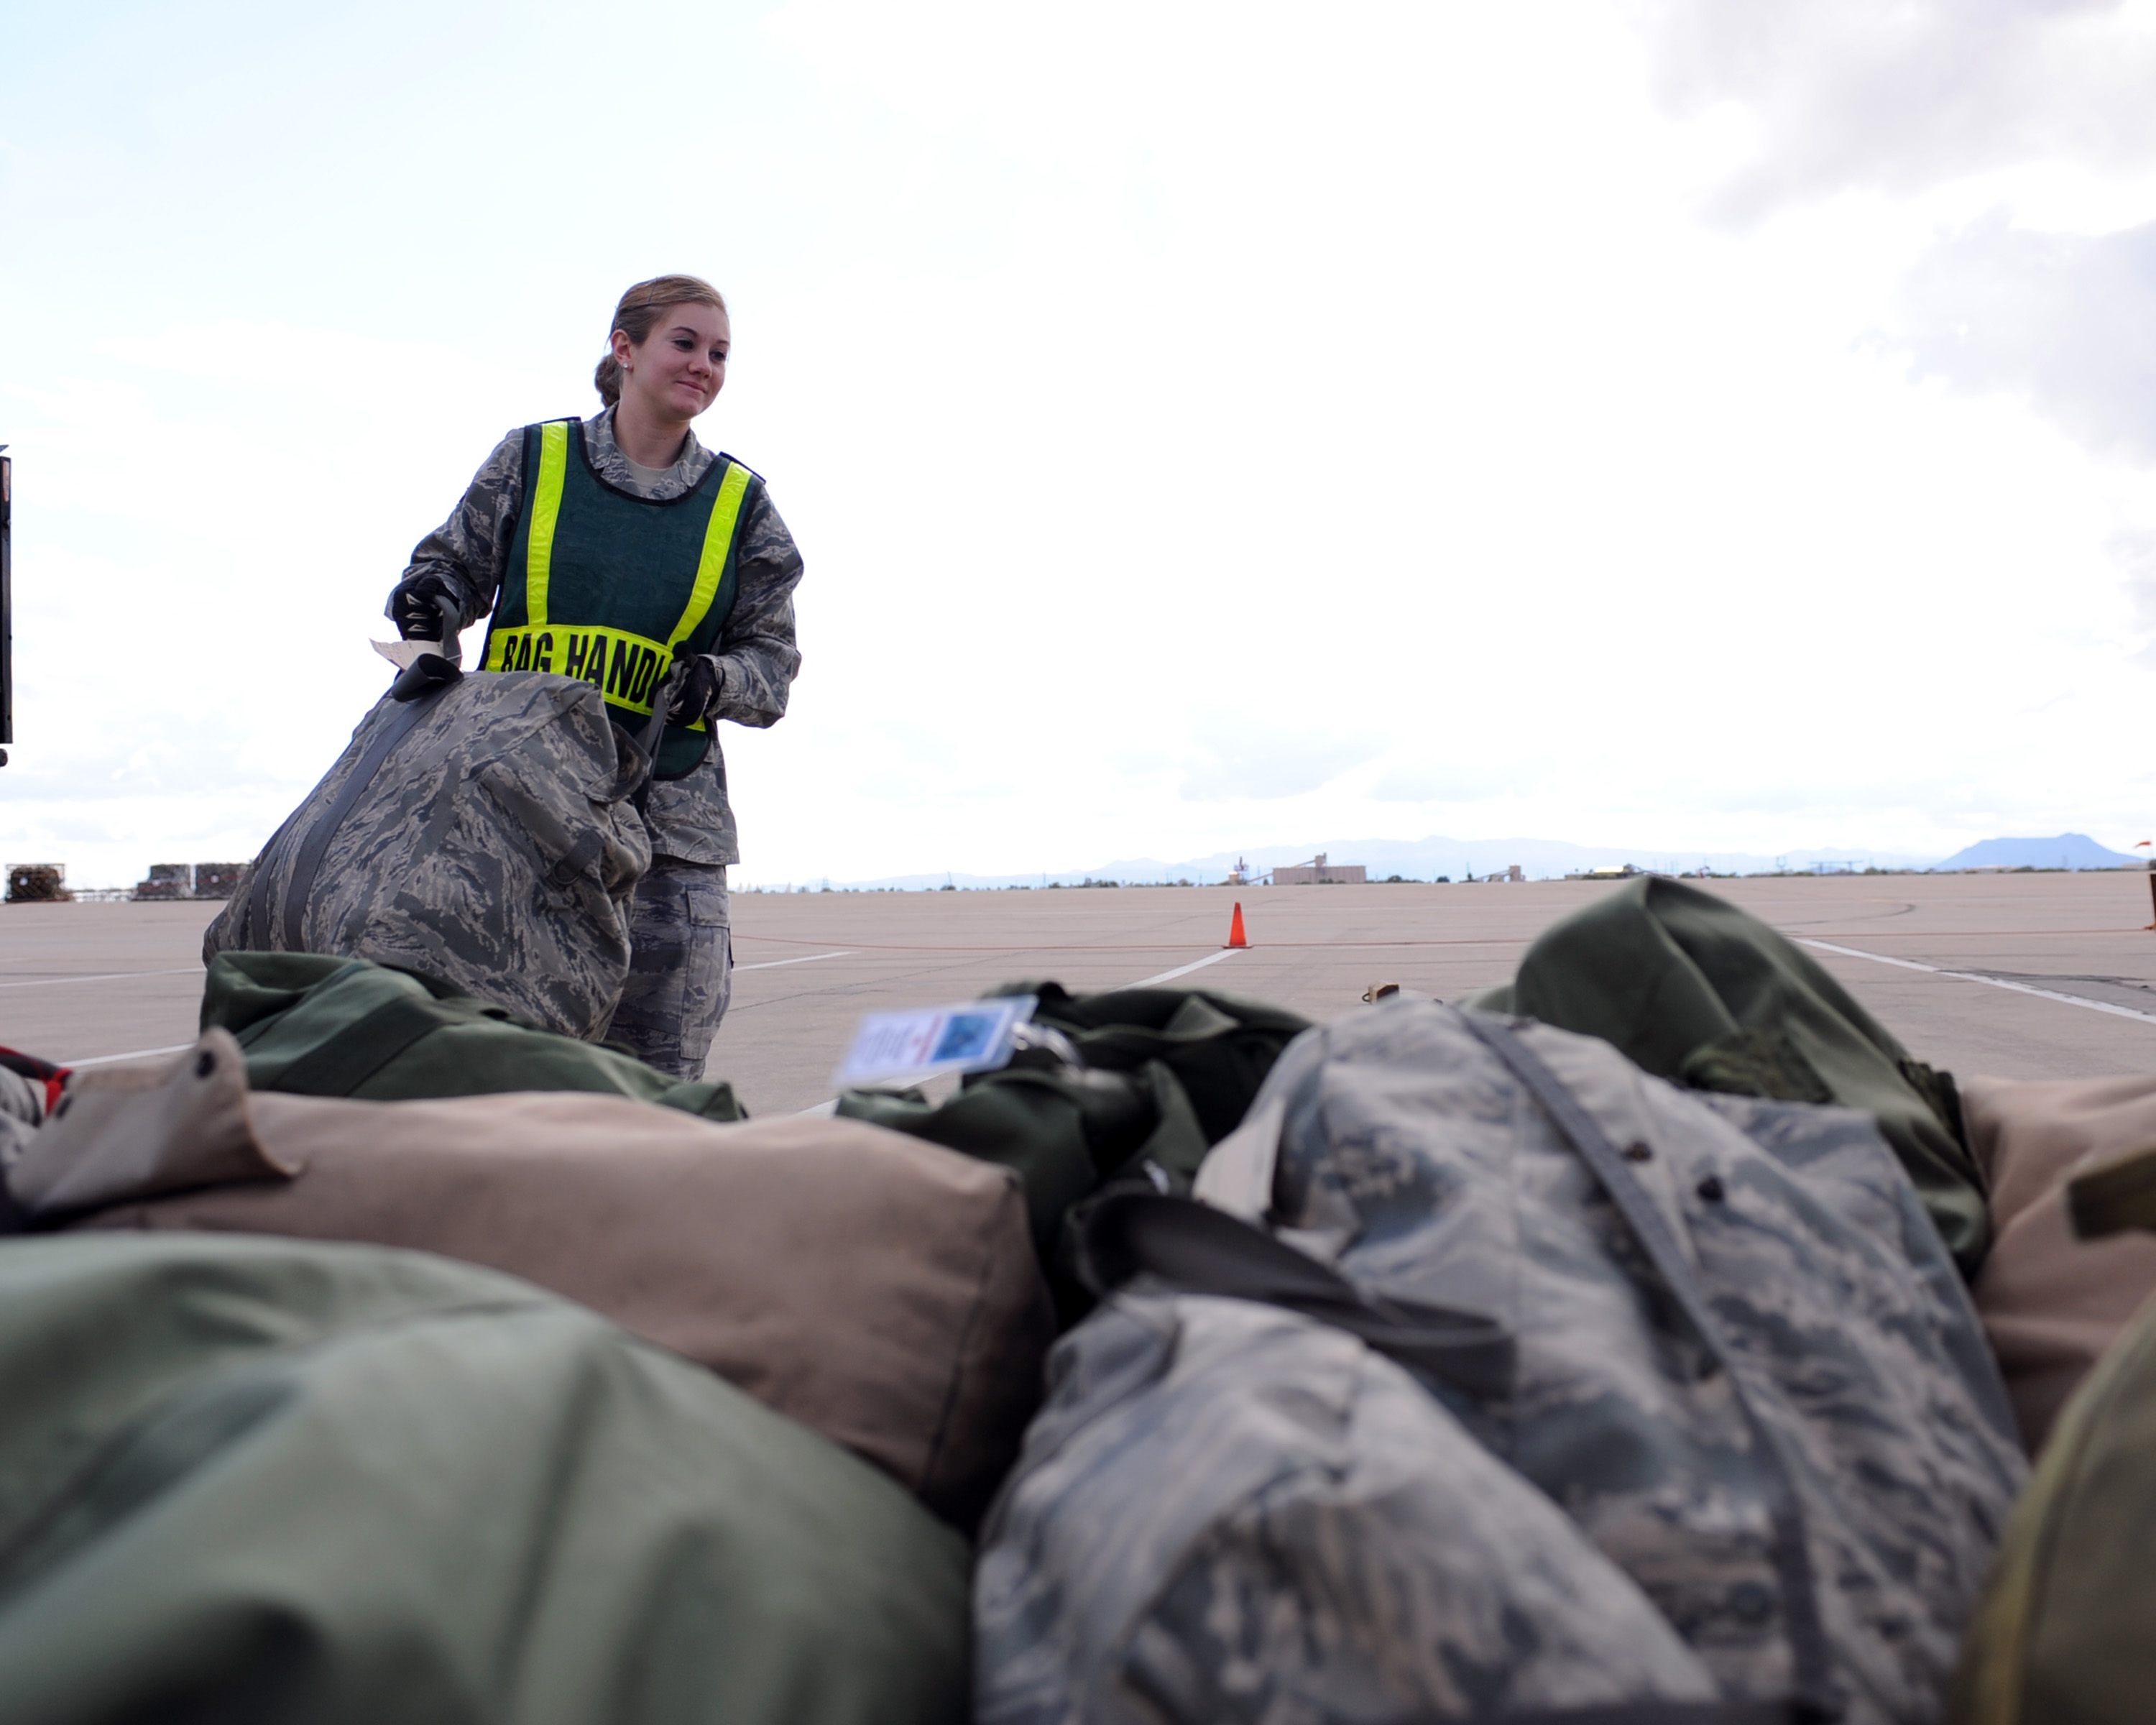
(1318, 872)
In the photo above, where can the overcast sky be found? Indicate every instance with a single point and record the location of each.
(1689, 425)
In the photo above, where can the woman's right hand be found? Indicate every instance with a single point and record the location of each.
(415, 607)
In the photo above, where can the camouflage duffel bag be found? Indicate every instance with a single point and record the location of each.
(1743, 1412)
(478, 830)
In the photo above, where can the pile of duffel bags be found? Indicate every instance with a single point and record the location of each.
(1602, 1350)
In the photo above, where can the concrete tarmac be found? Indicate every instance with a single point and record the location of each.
(2023, 976)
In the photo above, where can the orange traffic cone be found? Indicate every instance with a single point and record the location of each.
(1236, 937)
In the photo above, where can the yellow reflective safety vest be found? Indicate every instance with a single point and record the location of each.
(610, 587)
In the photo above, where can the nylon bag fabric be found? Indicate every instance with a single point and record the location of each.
(313, 1025)
(1743, 1371)
(1688, 987)
(880, 1291)
(480, 833)
(259, 1480)
(1217, 1044)
(1064, 1131)
(1232, 1513)
(2066, 1633)
(2055, 1296)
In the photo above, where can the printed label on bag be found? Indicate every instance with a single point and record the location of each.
(905, 1047)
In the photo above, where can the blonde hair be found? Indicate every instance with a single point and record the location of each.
(637, 314)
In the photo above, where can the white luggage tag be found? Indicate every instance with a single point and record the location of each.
(897, 1048)
(402, 654)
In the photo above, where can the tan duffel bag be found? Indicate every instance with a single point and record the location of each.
(2052, 1302)
(880, 1290)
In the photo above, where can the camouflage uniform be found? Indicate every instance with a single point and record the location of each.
(680, 967)
(681, 911)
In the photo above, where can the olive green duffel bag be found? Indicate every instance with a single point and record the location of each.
(1132, 1087)
(261, 1479)
(1688, 987)
(313, 1025)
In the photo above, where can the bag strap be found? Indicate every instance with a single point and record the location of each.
(1814, 1694)
(254, 924)
(1191, 1248)
(654, 727)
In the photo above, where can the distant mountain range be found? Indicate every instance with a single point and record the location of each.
(2069, 850)
(1539, 859)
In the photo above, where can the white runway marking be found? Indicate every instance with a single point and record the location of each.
(1989, 982)
(773, 963)
(140, 1054)
(116, 976)
(1169, 975)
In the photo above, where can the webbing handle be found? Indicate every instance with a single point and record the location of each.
(1191, 1248)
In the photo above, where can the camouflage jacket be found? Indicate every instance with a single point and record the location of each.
(1793, 1446)
(689, 817)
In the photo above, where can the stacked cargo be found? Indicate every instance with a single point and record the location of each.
(37, 883)
(1431, 1363)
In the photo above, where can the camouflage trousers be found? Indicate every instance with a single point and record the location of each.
(680, 966)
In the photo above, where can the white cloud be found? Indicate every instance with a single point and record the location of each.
(1261, 757)
(1858, 95)
(1204, 426)
(2135, 553)
(2066, 320)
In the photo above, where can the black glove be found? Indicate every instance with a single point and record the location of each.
(698, 689)
(415, 607)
